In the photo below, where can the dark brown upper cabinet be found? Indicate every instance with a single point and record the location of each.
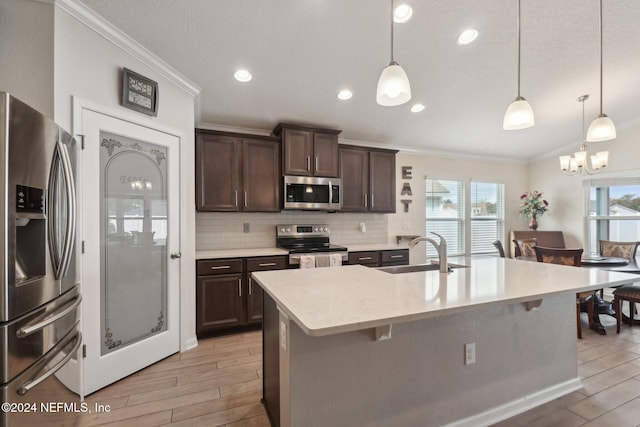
(308, 151)
(368, 179)
(237, 172)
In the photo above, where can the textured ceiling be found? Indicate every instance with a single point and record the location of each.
(302, 52)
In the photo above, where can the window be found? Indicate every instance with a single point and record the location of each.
(613, 211)
(457, 209)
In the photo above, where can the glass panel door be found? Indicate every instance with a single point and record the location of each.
(133, 239)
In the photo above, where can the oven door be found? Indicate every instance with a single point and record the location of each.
(311, 193)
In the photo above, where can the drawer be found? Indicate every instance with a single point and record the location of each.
(400, 256)
(371, 258)
(218, 266)
(267, 263)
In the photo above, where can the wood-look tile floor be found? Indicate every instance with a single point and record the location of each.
(219, 384)
(609, 367)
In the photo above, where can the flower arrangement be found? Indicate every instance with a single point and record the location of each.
(533, 204)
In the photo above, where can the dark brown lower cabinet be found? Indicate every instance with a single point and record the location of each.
(219, 302)
(227, 298)
(380, 258)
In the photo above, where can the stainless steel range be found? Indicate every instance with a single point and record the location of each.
(307, 239)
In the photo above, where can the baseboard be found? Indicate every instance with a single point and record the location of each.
(518, 406)
(191, 343)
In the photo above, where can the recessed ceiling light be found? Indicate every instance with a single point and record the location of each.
(402, 13)
(242, 76)
(344, 94)
(467, 36)
(416, 108)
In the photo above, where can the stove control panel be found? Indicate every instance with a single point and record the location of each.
(305, 230)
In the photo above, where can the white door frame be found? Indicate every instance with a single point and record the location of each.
(188, 338)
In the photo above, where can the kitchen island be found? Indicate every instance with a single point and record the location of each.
(359, 347)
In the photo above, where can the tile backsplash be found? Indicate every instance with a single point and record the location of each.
(226, 230)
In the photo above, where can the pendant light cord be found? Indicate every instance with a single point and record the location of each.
(600, 57)
(518, 31)
(391, 31)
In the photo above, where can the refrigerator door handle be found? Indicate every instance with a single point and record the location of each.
(31, 383)
(70, 188)
(34, 327)
(61, 170)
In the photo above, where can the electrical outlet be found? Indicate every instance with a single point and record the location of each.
(470, 353)
(246, 227)
(363, 227)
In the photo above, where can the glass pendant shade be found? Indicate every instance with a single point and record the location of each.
(601, 129)
(519, 115)
(393, 86)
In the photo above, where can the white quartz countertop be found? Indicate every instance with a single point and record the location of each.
(375, 247)
(240, 253)
(251, 252)
(324, 301)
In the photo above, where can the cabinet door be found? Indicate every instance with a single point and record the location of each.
(369, 258)
(218, 302)
(297, 150)
(382, 182)
(217, 173)
(325, 154)
(261, 176)
(354, 172)
(254, 291)
(394, 257)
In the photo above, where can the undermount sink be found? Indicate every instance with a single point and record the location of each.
(399, 269)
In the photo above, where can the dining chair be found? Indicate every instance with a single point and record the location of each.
(499, 247)
(629, 293)
(619, 249)
(570, 257)
(524, 247)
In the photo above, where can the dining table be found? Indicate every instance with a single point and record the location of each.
(603, 306)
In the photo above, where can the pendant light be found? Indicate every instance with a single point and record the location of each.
(579, 162)
(393, 85)
(602, 127)
(519, 115)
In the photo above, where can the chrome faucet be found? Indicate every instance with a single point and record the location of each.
(441, 248)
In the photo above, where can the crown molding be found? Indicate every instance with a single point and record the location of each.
(106, 29)
(402, 149)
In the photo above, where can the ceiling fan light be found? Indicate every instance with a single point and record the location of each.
(519, 115)
(601, 129)
(393, 86)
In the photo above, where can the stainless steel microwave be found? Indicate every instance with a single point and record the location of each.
(312, 193)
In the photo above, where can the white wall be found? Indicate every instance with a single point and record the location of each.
(513, 175)
(88, 66)
(565, 194)
(26, 52)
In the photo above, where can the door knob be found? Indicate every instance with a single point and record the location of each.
(176, 255)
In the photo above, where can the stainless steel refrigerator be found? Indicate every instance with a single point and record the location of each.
(39, 280)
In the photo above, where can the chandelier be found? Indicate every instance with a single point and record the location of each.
(579, 162)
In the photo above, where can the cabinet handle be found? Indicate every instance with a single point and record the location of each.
(308, 163)
(365, 200)
(250, 283)
(239, 287)
(235, 197)
(267, 264)
(371, 200)
(245, 199)
(222, 267)
(364, 258)
(396, 256)
(316, 162)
